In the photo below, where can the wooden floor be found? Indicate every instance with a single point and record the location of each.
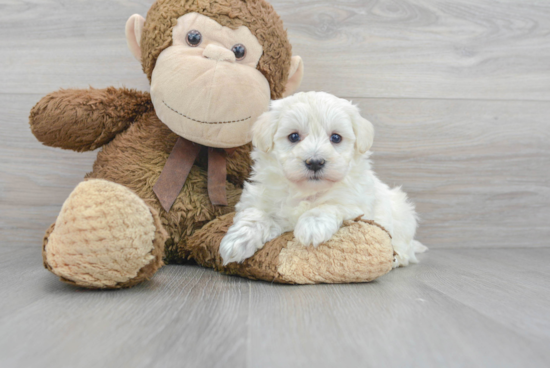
(458, 308)
(459, 94)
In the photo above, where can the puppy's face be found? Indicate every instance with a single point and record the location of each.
(314, 136)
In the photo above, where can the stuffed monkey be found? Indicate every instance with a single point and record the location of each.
(174, 159)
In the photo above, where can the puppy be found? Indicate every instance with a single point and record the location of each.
(312, 172)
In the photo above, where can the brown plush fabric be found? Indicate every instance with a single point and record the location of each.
(135, 145)
(135, 159)
(204, 245)
(258, 15)
(83, 120)
(360, 251)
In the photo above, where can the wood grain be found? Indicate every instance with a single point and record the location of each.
(458, 308)
(187, 316)
(475, 169)
(481, 49)
(467, 49)
(35, 179)
(458, 92)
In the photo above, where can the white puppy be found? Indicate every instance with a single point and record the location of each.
(311, 172)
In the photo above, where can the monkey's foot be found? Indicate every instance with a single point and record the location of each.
(105, 237)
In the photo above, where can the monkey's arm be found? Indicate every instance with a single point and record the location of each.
(85, 119)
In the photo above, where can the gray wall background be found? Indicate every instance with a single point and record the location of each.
(458, 90)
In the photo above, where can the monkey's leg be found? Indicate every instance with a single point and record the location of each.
(105, 237)
(197, 210)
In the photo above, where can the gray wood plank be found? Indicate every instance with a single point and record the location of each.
(474, 168)
(48, 44)
(467, 49)
(35, 180)
(480, 49)
(462, 307)
(186, 316)
(510, 287)
(521, 262)
(445, 312)
(429, 75)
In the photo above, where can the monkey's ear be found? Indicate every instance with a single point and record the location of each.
(134, 27)
(294, 76)
(263, 131)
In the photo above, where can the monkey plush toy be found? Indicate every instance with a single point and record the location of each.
(173, 161)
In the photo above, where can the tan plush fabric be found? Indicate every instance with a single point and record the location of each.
(221, 100)
(359, 252)
(134, 29)
(104, 237)
(296, 75)
(258, 15)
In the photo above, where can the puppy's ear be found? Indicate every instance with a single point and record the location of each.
(263, 131)
(364, 131)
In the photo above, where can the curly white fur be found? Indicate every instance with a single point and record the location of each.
(284, 195)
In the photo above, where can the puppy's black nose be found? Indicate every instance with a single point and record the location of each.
(315, 165)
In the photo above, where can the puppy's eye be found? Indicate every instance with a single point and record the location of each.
(294, 137)
(239, 50)
(194, 38)
(336, 138)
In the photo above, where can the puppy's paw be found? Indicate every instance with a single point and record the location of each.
(315, 230)
(240, 243)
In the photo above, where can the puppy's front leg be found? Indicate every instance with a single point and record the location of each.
(318, 225)
(251, 229)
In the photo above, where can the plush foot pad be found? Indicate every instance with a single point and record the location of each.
(104, 237)
(360, 251)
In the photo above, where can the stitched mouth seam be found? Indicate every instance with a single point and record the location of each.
(204, 122)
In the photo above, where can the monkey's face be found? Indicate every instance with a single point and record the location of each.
(206, 87)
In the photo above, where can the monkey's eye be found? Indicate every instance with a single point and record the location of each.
(239, 50)
(294, 137)
(194, 38)
(336, 138)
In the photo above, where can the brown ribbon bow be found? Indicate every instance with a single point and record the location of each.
(178, 166)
